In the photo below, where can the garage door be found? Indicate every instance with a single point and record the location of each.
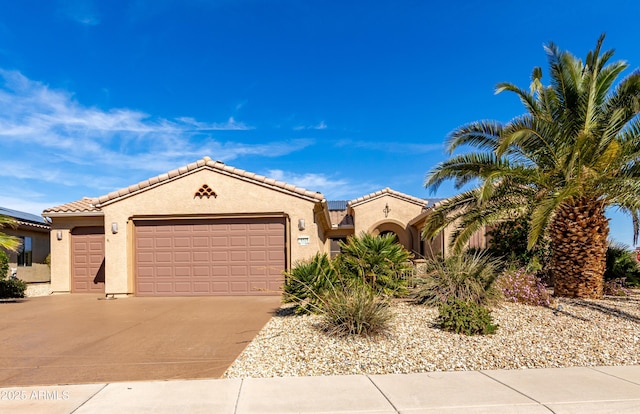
(87, 270)
(210, 257)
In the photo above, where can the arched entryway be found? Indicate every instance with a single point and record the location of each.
(392, 227)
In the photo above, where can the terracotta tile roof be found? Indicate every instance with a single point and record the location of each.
(84, 205)
(420, 201)
(92, 205)
(218, 166)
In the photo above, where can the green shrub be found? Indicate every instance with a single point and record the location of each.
(12, 288)
(308, 281)
(4, 264)
(464, 317)
(621, 263)
(522, 286)
(467, 276)
(355, 311)
(379, 262)
(509, 241)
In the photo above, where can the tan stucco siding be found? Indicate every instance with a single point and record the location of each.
(61, 249)
(177, 199)
(367, 214)
(370, 217)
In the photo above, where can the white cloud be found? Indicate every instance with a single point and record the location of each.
(392, 146)
(46, 135)
(320, 126)
(332, 188)
(230, 125)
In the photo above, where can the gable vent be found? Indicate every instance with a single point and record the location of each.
(205, 191)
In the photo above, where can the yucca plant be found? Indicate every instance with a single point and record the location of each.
(356, 310)
(379, 262)
(469, 277)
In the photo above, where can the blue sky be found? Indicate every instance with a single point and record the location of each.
(341, 97)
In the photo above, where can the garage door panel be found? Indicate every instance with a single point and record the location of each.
(182, 287)
(239, 287)
(257, 241)
(220, 256)
(200, 242)
(182, 257)
(182, 242)
(210, 257)
(238, 241)
(220, 271)
(219, 241)
(238, 256)
(87, 260)
(202, 271)
(163, 257)
(239, 271)
(201, 257)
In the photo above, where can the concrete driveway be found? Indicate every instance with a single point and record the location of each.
(72, 339)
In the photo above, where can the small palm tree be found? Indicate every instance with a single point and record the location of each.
(569, 157)
(8, 242)
(378, 261)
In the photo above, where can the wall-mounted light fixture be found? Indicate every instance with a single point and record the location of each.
(386, 210)
(114, 227)
(59, 235)
(301, 224)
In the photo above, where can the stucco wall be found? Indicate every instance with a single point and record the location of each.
(369, 216)
(177, 198)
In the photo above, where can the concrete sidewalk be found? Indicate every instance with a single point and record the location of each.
(553, 390)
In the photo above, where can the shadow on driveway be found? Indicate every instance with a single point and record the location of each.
(72, 339)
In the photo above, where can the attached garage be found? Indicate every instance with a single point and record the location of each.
(87, 257)
(203, 229)
(226, 256)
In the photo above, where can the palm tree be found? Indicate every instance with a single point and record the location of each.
(561, 164)
(8, 242)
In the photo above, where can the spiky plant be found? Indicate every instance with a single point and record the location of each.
(8, 242)
(379, 262)
(466, 276)
(569, 157)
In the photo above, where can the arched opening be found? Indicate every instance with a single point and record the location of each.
(390, 227)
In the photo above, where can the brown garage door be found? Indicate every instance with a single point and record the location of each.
(87, 270)
(210, 257)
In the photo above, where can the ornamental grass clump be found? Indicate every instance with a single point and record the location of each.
(467, 276)
(521, 286)
(355, 311)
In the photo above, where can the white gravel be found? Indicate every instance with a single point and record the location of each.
(584, 333)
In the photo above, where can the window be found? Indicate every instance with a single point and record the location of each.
(25, 254)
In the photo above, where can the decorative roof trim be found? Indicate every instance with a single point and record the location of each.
(32, 224)
(207, 163)
(387, 191)
(82, 207)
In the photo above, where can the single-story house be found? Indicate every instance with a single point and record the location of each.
(211, 229)
(29, 260)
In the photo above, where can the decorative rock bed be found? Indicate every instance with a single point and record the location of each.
(582, 333)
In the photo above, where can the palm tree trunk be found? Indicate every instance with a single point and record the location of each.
(579, 246)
